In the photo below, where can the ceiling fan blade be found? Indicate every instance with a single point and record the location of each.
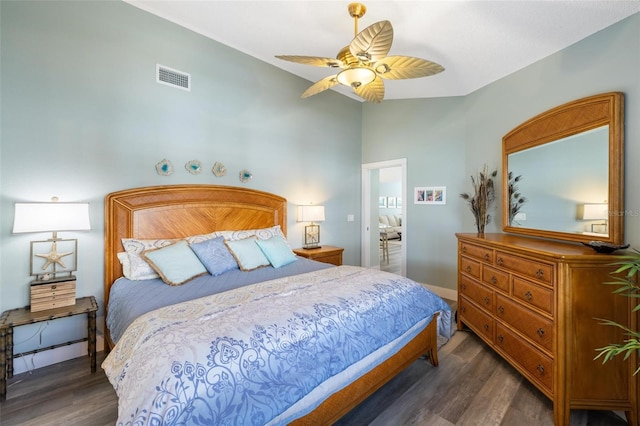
(315, 61)
(372, 92)
(320, 86)
(372, 43)
(401, 67)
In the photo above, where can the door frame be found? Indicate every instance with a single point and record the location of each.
(365, 244)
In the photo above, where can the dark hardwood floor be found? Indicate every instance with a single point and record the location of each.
(472, 386)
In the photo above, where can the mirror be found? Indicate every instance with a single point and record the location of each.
(563, 172)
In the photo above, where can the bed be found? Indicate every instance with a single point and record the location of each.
(301, 343)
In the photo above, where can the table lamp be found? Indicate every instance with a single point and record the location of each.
(55, 256)
(311, 214)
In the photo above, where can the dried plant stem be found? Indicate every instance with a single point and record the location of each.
(483, 197)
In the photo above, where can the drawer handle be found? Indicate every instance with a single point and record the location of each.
(501, 309)
(500, 261)
(540, 369)
(487, 300)
(539, 274)
(540, 332)
(493, 280)
(486, 327)
(528, 295)
(464, 249)
(500, 338)
(463, 309)
(486, 256)
(53, 287)
(464, 286)
(468, 268)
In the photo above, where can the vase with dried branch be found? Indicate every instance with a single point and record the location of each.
(516, 199)
(482, 198)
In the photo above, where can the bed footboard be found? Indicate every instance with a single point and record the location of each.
(343, 401)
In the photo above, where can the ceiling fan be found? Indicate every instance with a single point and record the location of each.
(365, 63)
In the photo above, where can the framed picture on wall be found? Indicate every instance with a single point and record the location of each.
(382, 202)
(391, 202)
(430, 195)
(398, 202)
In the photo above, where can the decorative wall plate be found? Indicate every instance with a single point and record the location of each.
(245, 176)
(164, 167)
(193, 167)
(219, 169)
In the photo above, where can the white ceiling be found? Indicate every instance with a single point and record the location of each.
(477, 42)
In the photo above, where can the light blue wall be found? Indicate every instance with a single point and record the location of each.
(82, 116)
(448, 140)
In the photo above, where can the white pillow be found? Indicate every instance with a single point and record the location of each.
(260, 233)
(138, 267)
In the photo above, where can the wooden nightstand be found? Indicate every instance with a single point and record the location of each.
(22, 316)
(325, 254)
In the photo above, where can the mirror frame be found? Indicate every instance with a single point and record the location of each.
(558, 123)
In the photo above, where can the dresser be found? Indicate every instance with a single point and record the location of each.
(537, 303)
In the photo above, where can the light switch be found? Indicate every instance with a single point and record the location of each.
(350, 218)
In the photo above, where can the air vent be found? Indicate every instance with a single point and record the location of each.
(173, 78)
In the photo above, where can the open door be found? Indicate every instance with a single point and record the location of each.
(371, 193)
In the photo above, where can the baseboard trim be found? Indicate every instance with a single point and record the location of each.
(445, 293)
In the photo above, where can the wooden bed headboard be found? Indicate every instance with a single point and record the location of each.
(177, 211)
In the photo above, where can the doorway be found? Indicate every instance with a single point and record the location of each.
(375, 203)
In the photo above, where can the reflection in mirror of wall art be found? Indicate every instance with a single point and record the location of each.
(398, 202)
(430, 195)
(569, 156)
(382, 202)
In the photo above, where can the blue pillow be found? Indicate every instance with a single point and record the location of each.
(176, 263)
(247, 253)
(215, 256)
(277, 251)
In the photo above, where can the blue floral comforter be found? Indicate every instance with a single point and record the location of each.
(249, 356)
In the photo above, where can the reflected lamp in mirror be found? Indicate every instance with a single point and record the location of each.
(596, 212)
(55, 258)
(311, 214)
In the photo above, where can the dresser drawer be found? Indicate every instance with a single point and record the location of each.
(537, 366)
(542, 272)
(495, 278)
(476, 319)
(470, 267)
(476, 292)
(533, 326)
(533, 294)
(481, 253)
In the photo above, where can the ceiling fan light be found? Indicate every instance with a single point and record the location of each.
(356, 77)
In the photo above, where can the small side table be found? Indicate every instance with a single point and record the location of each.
(325, 254)
(22, 316)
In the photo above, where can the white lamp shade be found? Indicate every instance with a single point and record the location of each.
(310, 213)
(51, 217)
(595, 211)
